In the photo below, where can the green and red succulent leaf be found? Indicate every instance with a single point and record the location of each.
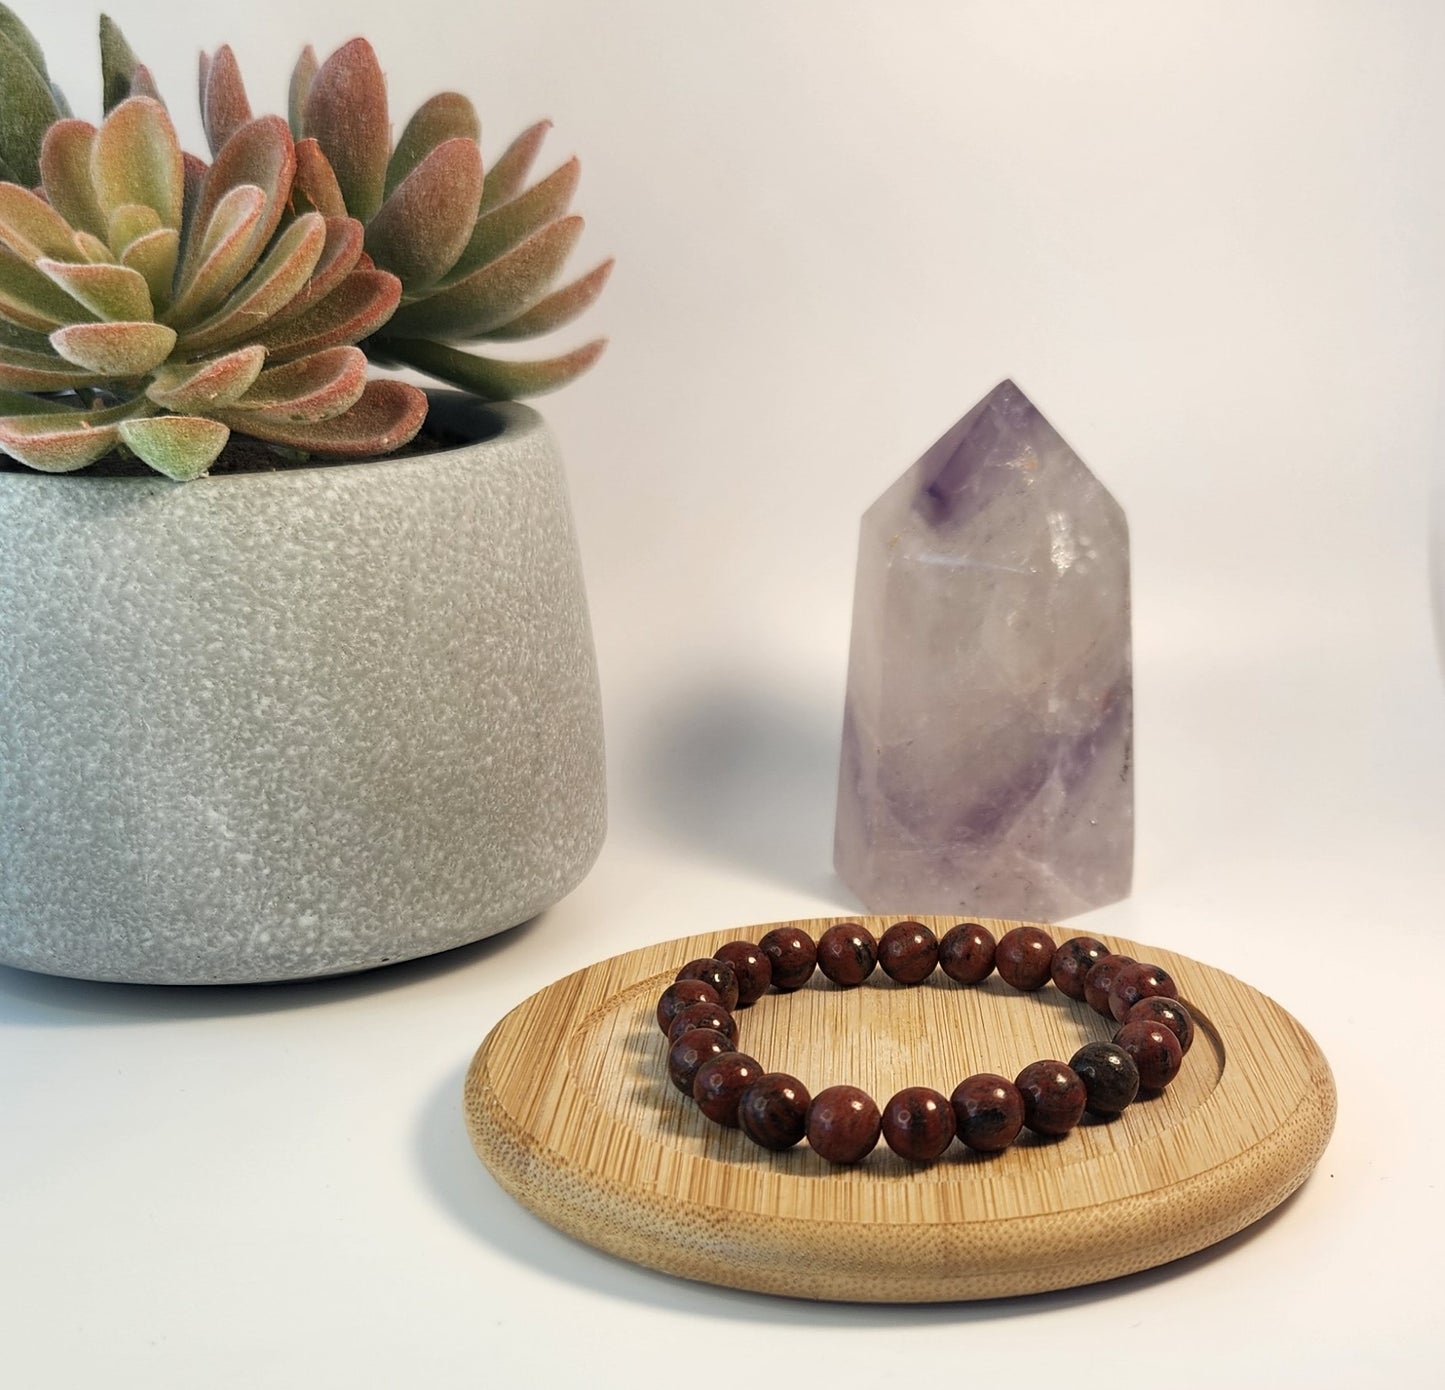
(345, 112)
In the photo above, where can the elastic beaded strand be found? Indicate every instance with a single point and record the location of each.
(986, 1112)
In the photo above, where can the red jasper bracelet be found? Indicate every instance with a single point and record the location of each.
(985, 1112)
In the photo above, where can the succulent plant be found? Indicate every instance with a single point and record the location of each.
(476, 256)
(151, 302)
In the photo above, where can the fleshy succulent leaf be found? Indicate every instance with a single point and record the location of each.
(224, 254)
(307, 390)
(115, 349)
(387, 416)
(136, 158)
(60, 441)
(180, 446)
(315, 186)
(224, 104)
(117, 64)
(446, 116)
(423, 226)
(24, 370)
(340, 255)
(558, 308)
(346, 113)
(113, 292)
(355, 309)
(65, 173)
(30, 227)
(27, 108)
(154, 256)
(14, 29)
(511, 223)
(32, 301)
(488, 377)
(506, 177)
(261, 154)
(499, 291)
(275, 283)
(129, 223)
(201, 386)
(302, 76)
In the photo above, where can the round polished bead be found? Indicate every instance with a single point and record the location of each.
(1024, 957)
(719, 1084)
(966, 953)
(1139, 981)
(773, 1111)
(793, 956)
(1111, 1080)
(918, 1124)
(753, 969)
(719, 974)
(1054, 1097)
(908, 951)
(677, 996)
(712, 1016)
(989, 1112)
(690, 1051)
(1100, 980)
(1171, 1013)
(847, 954)
(1073, 960)
(1155, 1050)
(843, 1124)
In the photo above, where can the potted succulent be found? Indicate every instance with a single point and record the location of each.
(272, 711)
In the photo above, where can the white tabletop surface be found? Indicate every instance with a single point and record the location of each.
(1209, 240)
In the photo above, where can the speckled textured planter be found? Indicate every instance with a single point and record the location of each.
(270, 726)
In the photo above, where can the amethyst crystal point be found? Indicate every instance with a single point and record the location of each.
(987, 741)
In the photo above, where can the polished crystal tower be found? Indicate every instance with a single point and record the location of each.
(987, 763)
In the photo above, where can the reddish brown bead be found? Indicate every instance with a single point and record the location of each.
(1054, 1097)
(989, 1112)
(1155, 1050)
(719, 974)
(847, 954)
(1073, 960)
(1109, 1075)
(719, 1084)
(752, 968)
(793, 956)
(843, 1124)
(908, 952)
(712, 1016)
(1136, 982)
(1100, 980)
(1171, 1013)
(690, 1051)
(1024, 956)
(918, 1124)
(773, 1111)
(966, 953)
(677, 996)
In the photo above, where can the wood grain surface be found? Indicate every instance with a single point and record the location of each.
(568, 1103)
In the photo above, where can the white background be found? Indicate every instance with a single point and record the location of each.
(1209, 241)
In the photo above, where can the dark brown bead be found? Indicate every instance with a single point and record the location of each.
(918, 1124)
(712, 1016)
(1100, 980)
(1109, 1075)
(847, 954)
(719, 974)
(793, 956)
(908, 952)
(966, 953)
(720, 1082)
(1054, 1097)
(1024, 957)
(1155, 1050)
(677, 996)
(1073, 960)
(1136, 982)
(690, 1051)
(843, 1124)
(773, 1111)
(1171, 1013)
(989, 1111)
(753, 969)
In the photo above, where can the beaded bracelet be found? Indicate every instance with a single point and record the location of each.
(986, 1112)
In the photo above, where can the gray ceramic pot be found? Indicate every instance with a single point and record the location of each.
(276, 725)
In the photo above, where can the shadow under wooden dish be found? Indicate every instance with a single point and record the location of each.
(568, 1103)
